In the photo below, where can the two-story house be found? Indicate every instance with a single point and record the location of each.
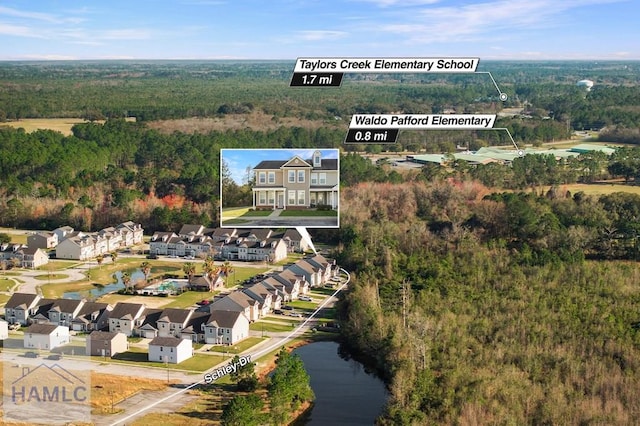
(20, 307)
(296, 183)
(125, 317)
(172, 321)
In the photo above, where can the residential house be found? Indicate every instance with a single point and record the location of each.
(81, 246)
(131, 233)
(264, 297)
(20, 307)
(172, 321)
(44, 240)
(64, 311)
(328, 268)
(296, 183)
(148, 329)
(159, 243)
(112, 237)
(294, 284)
(170, 350)
(226, 328)
(125, 317)
(311, 273)
(34, 257)
(62, 232)
(41, 316)
(4, 330)
(46, 336)
(237, 301)
(294, 241)
(106, 343)
(194, 329)
(92, 316)
(78, 247)
(205, 283)
(278, 289)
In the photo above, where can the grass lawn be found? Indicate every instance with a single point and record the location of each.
(198, 362)
(237, 348)
(300, 304)
(46, 277)
(188, 298)
(104, 274)
(56, 290)
(6, 284)
(241, 274)
(226, 222)
(3, 299)
(56, 265)
(260, 326)
(309, 213)
(234, 212)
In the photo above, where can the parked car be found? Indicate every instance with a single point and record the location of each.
(288, 308)
(204, 302)
(152, 256)
(295, 314)
(304, 298)
(14, 326)
(278, 311)
(31, 354)
(55, 357)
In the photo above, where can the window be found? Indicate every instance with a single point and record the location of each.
(263, 197)
(292, 198)
(300, 198)
(262, 176)
(316, 159)
(160, 348)
(323, 179)
(271, 197)
(314, 178)
(292, 176)
(300, 176)
(272, 177)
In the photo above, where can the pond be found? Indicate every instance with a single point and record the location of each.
(136, 275)
(346, 394)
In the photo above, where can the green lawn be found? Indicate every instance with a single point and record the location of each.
(46, 277)
(241, 274)
(300, 304)
(56, 290)
(188, 298)
(237, 348)
(260, 326)
(6, 284)
(3, 299)
(56, 265)
(198, 362)
(310, 213)
(226, 222)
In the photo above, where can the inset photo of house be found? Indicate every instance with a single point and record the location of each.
(280, 188)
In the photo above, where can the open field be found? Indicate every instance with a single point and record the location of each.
(599, 188)
(256, 120)
(56, 265)
(187, 299)
(197, 363)
(62, 125)
(6, 284)
(113, 389)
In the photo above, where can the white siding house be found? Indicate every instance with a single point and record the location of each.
(170, 349)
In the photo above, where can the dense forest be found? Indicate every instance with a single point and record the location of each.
(482, 310)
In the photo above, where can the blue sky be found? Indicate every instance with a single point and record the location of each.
(286, 29)
(239, 159)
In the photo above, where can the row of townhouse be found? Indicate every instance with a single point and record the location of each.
(22, 256)
(79, 245)
(228, 244)
(278, 288)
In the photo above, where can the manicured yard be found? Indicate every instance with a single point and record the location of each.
(188, 298)
(56, 265)
(300, 304)
(198, 362)
(309, 213)
(3, 299)
(6, 284)
(56, 290)
(238, 348)
(241, 274)
(46, 277)
(260, 326)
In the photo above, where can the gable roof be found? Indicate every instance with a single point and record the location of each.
(175, 315)
(42, 328)
(168, 341)
(66, 305)
(224, 319)
(124, 310)
(23, 300)
(297, 161)
(103, 335)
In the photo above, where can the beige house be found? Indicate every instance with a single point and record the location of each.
(106, 343)
(125, 317)
(43, 240)
(296, 183)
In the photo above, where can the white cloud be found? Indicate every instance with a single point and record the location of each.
(467, 22)
(400, 3)
(321, 35)
(18, 31)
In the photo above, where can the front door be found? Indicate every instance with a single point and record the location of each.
(280, 201)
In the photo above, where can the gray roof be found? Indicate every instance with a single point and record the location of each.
(41, 328)
(18, 299)
(224, 319)
(167, 341)
(175, 315)
(123, 309)
(103, 335)
(66, 305)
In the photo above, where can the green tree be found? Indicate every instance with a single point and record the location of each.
(189, 270)
(243, 411)
(146, 269)
(288, 386)
(245, 376)
(5, 238)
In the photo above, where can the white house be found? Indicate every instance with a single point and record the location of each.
(226, 328)
(125, 317)
(4, 330)
(46, 336)
(170, 349)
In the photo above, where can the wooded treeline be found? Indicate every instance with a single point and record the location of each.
(482, 310)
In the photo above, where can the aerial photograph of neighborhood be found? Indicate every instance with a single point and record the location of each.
(360, 212)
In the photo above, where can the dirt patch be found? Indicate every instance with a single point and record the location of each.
(256, 120)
